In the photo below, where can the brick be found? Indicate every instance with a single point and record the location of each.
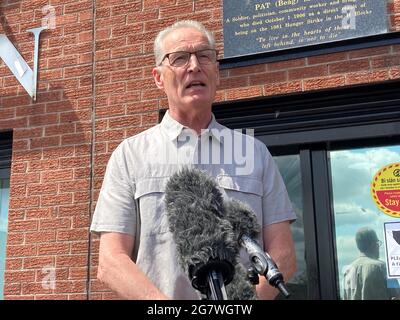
(13, 264)
(40, 213)
(16, 101)
(45, 249)
(369, 52)
(79, 247)
(56, 175)
(40, 189)
(234, 82)
(72, 235)
(77, 71)
(71, 261)
(19, 167)
(77, 7)
(76, 138)
(143, 15)
(77, 273)
(73, 210)
(39, 237)
(75, 116)
(18, 190)
(268, 77)
(81, 173)
(349, 66)
(279, 65)
(242, 93)
(71, 186)
(386, 61)
(325, 82)
(394, 73)
(110, 111)
(14, 239)
(54, 224)
(59, 129)
(157, 3)
(120, 122)
(19, 276)
(326, 58)
(124, 98)
(58, 152)
(57, 199)
(44, 142)
(282, 88)
(23, 203)
(28, 133)
(20, 250)
(12, 289)
(51, 297)
(150, 118)
(248, 70)
(308, 72)
(109, 135)
(41, 120)
(176, 11)
(126, 75)
(365, 77)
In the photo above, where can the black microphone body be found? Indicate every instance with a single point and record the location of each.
(247, 228)
(207, 250)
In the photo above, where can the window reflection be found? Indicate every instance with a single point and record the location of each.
(4, 198)
(289, 167)
(352, 172)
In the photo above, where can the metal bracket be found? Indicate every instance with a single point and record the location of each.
(18, 66)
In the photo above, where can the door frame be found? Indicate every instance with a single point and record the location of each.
(311, 124)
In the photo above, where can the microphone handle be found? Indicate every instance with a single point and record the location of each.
(216, 286)
(263, 264)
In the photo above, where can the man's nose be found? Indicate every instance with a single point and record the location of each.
(193, 64)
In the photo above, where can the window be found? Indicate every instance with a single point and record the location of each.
(5, 164)
(4, 198)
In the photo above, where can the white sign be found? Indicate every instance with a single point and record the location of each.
(18, 66)
(392, 245)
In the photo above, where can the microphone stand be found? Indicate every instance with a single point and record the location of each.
(210, 278)
(263, 265)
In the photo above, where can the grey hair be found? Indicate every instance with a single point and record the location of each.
(158, 42)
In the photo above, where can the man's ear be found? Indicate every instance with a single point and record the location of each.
(158, 78)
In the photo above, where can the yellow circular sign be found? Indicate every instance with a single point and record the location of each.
(385, 189)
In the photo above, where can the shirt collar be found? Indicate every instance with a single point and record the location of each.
(173, 128)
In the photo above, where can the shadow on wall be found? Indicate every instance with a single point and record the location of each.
(49, 209)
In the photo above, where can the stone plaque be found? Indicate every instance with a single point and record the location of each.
(253, 26)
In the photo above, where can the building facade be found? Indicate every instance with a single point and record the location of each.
(95, 88)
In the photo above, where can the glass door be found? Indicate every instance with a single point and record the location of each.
(365, 198)
(4, 199)
(289, 167)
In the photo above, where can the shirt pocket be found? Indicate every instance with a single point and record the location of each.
(244, 189)
(150, 195)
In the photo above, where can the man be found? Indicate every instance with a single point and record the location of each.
(187, 71)
(365, 279)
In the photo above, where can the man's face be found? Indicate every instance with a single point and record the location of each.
(190, 86)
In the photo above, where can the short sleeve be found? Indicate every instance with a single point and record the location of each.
(116, 208)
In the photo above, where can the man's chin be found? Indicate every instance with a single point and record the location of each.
(198, 100)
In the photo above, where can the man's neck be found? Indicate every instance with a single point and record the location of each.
(194, 120)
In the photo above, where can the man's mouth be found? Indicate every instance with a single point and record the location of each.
(195, 84)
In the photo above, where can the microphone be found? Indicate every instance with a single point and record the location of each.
(246, 229)
(207, 250)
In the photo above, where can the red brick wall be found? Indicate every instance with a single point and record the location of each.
(95, 89)
(49, 209)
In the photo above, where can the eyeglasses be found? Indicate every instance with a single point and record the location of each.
(181, 58)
